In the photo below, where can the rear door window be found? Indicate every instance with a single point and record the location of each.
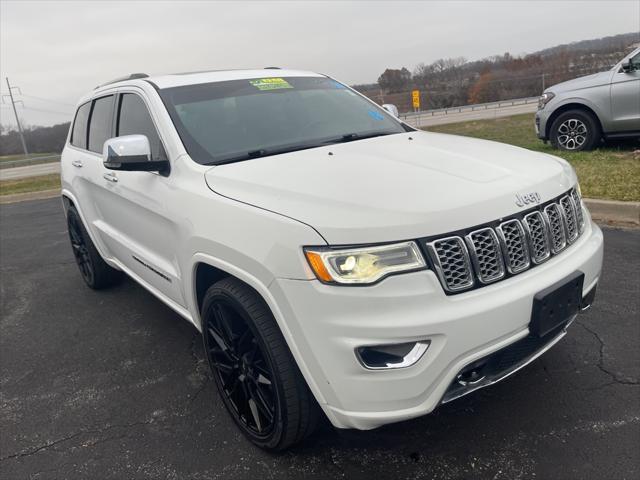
(100, 123)
(134, 119)
(79, 132)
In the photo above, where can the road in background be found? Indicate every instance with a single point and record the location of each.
(29, 171)
(114, 384)
(471, 112)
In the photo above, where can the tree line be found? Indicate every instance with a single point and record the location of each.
(38, 139)
(450, 82)
(447, 82)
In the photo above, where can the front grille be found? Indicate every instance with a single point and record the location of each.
(453, 264)
(556, 227)
(486, 255)
(492, 252)
(514, 244)
(570, 216)
(575, 196)
(538, 233)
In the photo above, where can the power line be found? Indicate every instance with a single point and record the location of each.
(47, 100)
(48, 111)
(43, 110)
(24, 107)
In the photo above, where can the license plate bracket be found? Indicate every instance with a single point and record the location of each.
(556, 305)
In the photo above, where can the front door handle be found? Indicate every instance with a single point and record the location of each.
(110, 176)
(77, 163)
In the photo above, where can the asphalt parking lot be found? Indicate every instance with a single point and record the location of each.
(113, 384)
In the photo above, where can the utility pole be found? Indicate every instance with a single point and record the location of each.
(543, 81)
(15, 112)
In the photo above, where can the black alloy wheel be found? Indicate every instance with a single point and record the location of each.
(255, 373)
(96, 273)
(244, 375)
(80, 250)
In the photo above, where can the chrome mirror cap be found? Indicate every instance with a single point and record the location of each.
(392, 109)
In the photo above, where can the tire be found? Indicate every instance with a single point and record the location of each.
(575, 131)
(251, 362)
(94, 270)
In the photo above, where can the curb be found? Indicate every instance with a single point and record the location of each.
(612, 211)
(21, 197)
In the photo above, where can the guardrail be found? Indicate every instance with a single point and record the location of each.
(464, 108)
(23, 162)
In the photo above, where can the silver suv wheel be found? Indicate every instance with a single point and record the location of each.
(575, 130)
(572, 133)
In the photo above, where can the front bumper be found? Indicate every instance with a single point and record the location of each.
(330, 322)
(541, 124)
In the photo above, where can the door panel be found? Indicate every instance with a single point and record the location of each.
(136, 227)
(625, 99)
(79, 167)
(132, 215)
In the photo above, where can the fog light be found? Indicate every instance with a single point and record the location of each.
(397, 355)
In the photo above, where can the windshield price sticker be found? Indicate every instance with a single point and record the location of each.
(270, 83)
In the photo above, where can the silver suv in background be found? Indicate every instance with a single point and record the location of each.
(576, 115)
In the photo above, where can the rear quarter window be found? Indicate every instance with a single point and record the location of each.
(100, 123)
(80, 123)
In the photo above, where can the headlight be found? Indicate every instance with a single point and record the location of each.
(363, 265)
(544, 99)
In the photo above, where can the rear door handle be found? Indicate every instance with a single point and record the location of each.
(110, 176)
(77, 163)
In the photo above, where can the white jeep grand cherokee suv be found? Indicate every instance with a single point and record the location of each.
(334, 258)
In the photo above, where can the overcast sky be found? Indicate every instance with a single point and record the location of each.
(57, 50)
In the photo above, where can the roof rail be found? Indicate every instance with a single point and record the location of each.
(272, 68)
(133, 76)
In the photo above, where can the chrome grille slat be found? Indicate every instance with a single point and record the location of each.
(453, 266)
(569, 214)
(577, 204)
(486, 255)
(557, 235)
(492, 252)
(538, 233)
(513, 240)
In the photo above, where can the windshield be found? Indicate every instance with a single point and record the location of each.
(237, 120)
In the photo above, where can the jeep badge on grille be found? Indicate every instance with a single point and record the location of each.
(527, 199)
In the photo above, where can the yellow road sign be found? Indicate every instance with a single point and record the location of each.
(415, 95)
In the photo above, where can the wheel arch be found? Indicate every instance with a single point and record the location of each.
(205, 275)
(565, 108)
(205, 267)
(206, 270)
(69, 200)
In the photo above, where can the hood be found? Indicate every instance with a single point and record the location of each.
(395, 187)
(588, 81)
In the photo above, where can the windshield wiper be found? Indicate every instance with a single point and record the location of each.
(262, 152)
(265, 153)
(350, 137)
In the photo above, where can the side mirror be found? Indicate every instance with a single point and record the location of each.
(627, 66)
(131, 153)
(392, 109)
